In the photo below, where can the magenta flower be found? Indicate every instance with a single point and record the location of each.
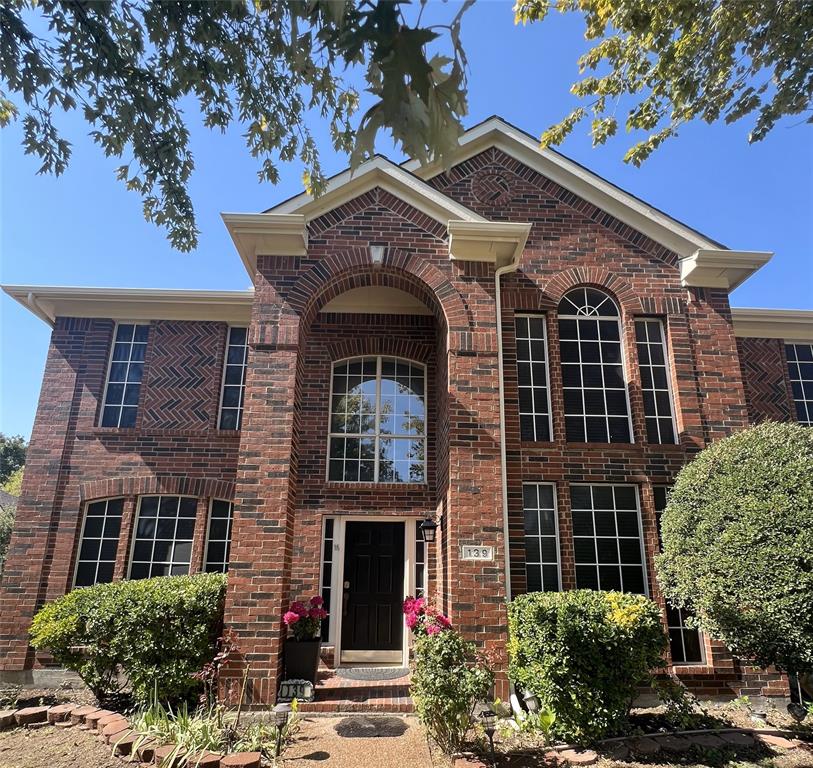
(419, 605)
(317, 602)
(300, 609)
(317, 613)
(412, 620)
(291, 617)
(432, 629)
(444, 621)
(409, 605)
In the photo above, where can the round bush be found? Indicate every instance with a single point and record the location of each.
(738, 544)
(157, 632)
(584, 654)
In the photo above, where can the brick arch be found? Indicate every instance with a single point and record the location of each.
(376, 345)
(602, 279)
(351, 268)
(140, 485)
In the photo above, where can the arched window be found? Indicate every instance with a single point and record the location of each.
(595, 392)
(378, 421)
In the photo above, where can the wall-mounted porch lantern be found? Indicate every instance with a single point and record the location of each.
(377, 255)
(429, 529)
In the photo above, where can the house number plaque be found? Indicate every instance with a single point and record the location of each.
(301, 690)
(472, 552)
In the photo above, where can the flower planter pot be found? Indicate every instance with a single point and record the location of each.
(302, 659)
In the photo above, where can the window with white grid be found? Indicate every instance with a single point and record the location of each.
(218, 538)
(651, 346)
(327, 572)
(420, 561)
(378, 421)
(162, 543)
(595, 390)
(124, 375)
(541, 537)
(234, 379)
(607, 538)
(99, 542)
(800, 368)
(532, 377)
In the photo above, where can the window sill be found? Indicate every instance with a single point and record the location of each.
(701, 668)
(364, 486)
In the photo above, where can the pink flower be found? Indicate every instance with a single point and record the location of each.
(317, 601)
(300, 609)
(291, 617)
(432, 629)
(419, 605)
(444, 621)
(412, 620)
(317, 613)
(409, 605)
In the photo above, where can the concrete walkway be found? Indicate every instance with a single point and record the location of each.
(318, 744)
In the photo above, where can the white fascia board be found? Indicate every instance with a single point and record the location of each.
(50, 302)
(787, 324)
(720, 268)
(498, 242)
(266, 234)
(494, 132)
(378, 172)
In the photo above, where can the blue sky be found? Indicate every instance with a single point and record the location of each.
(86, 229)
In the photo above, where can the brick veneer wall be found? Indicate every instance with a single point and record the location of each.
(767, 384)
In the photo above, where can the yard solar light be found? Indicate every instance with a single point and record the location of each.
(281, 714)
(531, 701)
(489, 718)
(428, 530)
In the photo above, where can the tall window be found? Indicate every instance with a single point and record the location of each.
(651, 344)
(685, 642)
(378, 421)
(124, 376)
(595, 392)
(99, 542)
(541, 537)
(234, 379)
(532, 377)
(420, 562)
(800, 368)
(327, 571)
(218, 539)
(163, 540)
(607, 538)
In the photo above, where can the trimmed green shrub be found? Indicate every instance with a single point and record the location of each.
(584, 654)
(157, 632)
(738, 544)
(448, 680)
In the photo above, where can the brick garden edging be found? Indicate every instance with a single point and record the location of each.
(620, 748)
(114, 729)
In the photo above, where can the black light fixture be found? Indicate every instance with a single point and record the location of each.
(428, 530)
(281, 714)
(489, 719)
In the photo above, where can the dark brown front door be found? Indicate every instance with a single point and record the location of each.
(373, 588)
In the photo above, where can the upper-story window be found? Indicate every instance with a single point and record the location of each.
(378, 421)
(124, 375)
(800, 368)
(651, 344)
(595, 390)
(532, 377)
(234, 379)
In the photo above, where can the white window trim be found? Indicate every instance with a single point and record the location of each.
(106, 499)
(208, 531)
(331, 638)
(624, 367)
(137, 517)
(376, 435)
(701, 639)
(544, 319)
(556, 528)
(241, 407)
(116, 325)
(640, 533)
(794, 401)
(667, 363)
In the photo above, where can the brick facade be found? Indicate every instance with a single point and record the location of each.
(274, 468)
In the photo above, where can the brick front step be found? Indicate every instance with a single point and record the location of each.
(336, 694)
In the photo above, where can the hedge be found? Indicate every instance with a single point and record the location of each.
(157, 632)
(584, 654)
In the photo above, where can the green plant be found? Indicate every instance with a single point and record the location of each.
(155, 633)
(738, 544)
(267, 738)
(682, 709)
(584, 654)
(448, 680)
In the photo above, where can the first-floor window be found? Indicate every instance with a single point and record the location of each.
(684, 641)
(541, 537)
(607, 538)
(163, 539)
(99, 542)
(800, 369)
(327, 571)
(218, 540)
(420, 562)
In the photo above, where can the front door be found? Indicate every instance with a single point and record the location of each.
(373, 592)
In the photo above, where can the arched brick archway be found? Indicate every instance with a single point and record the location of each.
(602, 279)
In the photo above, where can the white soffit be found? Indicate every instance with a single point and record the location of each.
(50, 302)
(377, 300)
(266, 234)
(495, 132)
(497, 242)
(787, 324)
(720, 268)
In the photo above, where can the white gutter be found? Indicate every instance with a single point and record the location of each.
(36, 308)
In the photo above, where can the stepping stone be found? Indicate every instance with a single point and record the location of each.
(92, 718)
(59, 713)
(103, 721)
(738, 738)
(31, 715)
(241, 760)
(707, 740)
(145, 751)
(123, 743)
(64, 724)
(645, 746)
(618, 751)
(774, 740)
(160, 758)
(78, 714)
(674, 743)
(552, 758)
(579, 757)
(7, 719)
(204, 760)
(112, 731)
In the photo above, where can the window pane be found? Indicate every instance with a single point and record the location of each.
(651, 346)
(126, 368)
(99, 543)
(163, 545)
(219, 538)
(800, 370)
(532, 376)
(234, 379)
(541, 537)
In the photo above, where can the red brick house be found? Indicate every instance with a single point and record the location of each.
(512, 347)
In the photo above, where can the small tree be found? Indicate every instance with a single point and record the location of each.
(12, 456)
(738, 544)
